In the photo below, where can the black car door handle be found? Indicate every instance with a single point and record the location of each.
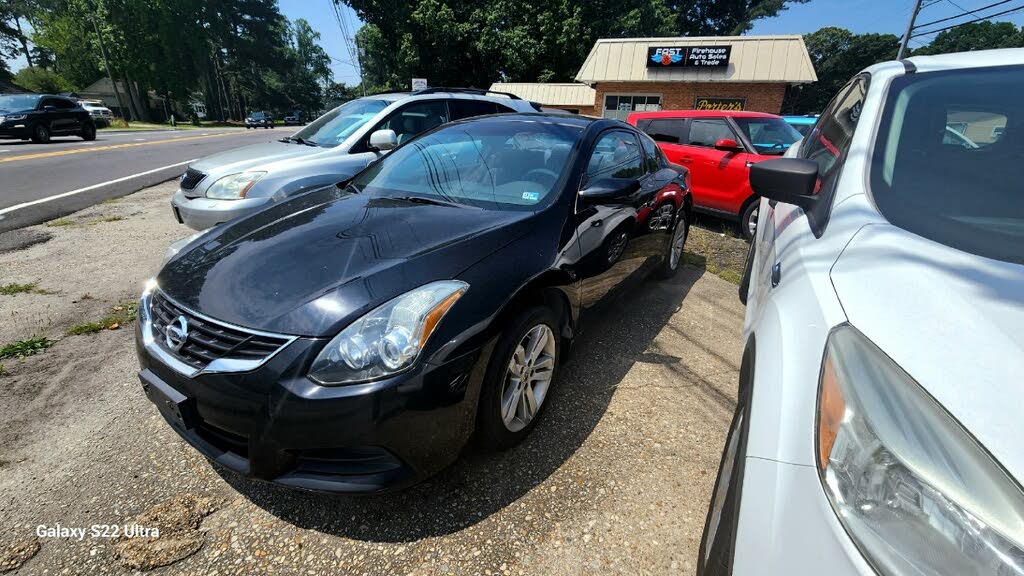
(596, 223)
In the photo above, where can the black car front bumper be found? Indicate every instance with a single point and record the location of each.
(15, 129)
(275, 424)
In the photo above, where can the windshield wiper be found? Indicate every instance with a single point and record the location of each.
(299, 140)
(430, 201)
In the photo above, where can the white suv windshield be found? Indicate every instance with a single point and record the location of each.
(945, 165)
(334, 127)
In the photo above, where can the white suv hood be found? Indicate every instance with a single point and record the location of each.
(952, 320)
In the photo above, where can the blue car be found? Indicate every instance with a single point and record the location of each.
(803, 124)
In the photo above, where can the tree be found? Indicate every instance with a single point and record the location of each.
(476, 42)
(837, 55)
(41, 80)
(975, 36)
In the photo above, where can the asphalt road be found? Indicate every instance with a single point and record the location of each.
(74, 174)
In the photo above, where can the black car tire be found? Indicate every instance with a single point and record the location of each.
(667, 270)
(715, 557)
(491, 430)
(88, 132)
(749, 211)
(40, 134)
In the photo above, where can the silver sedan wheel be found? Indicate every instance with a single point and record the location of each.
(528, 378)
(678, 240)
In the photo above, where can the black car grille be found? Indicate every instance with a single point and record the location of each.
(207, 340)
(191, 178)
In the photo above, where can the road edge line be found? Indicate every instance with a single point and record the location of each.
(91, 187)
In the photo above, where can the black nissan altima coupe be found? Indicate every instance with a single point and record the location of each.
(354, 338)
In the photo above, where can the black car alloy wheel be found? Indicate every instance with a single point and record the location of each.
(40, 134)
(522, 369)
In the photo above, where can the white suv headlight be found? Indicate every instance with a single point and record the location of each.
(388, 339)
(234, 186)
(914, 490)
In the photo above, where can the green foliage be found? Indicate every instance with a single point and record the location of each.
(120, 315)
(30, 288)
(975, 36)
(42, 80)
(23, 348)
(476, 42)
(837, 55)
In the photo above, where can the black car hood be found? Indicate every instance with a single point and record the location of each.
(313, 264)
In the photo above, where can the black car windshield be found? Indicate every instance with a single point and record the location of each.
(257, 115)
(770, 136)
(945, 165)
(16, 102)
(334, 127)
(493, 164)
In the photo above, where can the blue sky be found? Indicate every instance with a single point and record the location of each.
(859, 16)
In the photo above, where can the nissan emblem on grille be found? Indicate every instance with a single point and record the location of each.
(176, 333)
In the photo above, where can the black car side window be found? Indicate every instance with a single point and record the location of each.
(651, 161)
(617, 154)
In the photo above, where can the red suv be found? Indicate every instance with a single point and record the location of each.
(719, 147)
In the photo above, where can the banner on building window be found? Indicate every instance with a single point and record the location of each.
(688, 57)
(733, 104)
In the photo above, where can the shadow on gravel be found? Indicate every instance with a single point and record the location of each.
(479, 484)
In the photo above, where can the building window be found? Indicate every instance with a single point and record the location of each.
(619, 106)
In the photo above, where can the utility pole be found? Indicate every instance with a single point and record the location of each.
(910, 28)
(106, 64)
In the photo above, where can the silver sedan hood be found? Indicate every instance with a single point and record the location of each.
(257, 156)
(951, 320)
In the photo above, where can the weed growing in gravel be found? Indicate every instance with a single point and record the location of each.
(30, 288)
(121, 314)
(58, 223)
(108, 219)
(111, 201)
(3, 370)
(23, 348)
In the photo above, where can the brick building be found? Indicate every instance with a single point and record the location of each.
(641, 74)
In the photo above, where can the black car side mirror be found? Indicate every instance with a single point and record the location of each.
(787, 180)
(609, 190)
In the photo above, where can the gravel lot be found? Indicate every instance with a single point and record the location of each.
(614, 480)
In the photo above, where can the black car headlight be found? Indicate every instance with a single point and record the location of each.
(915, 491)
(388, 339)
(12, 118)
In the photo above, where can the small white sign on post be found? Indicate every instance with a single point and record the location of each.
(419, 84)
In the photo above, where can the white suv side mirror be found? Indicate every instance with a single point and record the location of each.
(383, 140)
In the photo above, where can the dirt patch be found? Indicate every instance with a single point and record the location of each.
(13, 555)
(20, 239)
(717, 251)
(176, 535)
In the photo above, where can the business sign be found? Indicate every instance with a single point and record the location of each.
(733, 104)
(688, 57)
(419, 84)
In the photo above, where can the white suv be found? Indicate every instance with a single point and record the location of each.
(880, 423)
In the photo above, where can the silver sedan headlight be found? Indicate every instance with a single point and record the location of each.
(234, 186)
(914, 490)
(388, 339)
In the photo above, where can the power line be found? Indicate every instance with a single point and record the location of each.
(965, 13)
(1003, 13)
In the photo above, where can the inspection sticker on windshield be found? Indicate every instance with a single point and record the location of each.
(534, 196)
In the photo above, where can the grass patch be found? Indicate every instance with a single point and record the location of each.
(111, 201)
(119, 316)
(23, 348)
(3, 370)
(30, 288)
(107, 219)
(59, 223)
(718, 252)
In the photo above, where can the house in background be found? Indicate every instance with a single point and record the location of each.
(9, 87)
(151, 110)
